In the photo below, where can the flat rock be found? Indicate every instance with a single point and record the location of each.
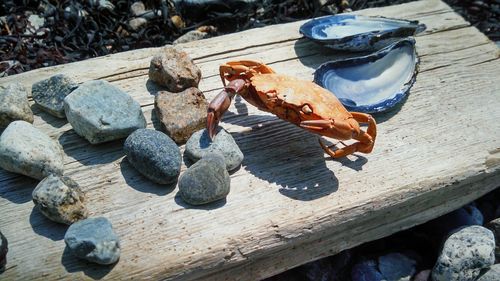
(465, 253)
(26, 150)
(493, 274)
(14, 104)
(154, 155)
(3, 252)
(200, 144)
(100, 112)
(205, 181)
(366, 271)
(396, 267)
(181, 114)
(174, 69)
(494, 226)
(49, 94)
(94, 240)
(60, 199)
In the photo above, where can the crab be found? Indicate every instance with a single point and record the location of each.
(297, 101)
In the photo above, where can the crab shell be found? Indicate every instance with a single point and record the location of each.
(296, 100)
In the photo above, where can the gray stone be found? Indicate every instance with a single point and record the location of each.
(494, 226)
(366, 271)
(137, 8)
(26, 150)
(181, 114)
(14, 104)
(424, 275)
(206, 181)
(49, 94)
(200, 144)
(137, 23)
(493, 274)
(465, 253)
(60, 199)
(396, 267)
(174, 70)
(198, 34)
(3, 252)
(154, 155)
(100, 112)
(93, 239)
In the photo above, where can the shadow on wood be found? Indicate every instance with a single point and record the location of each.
(45, 227)
(95, 271)
(140, 183)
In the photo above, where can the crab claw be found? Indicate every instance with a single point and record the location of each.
(219, 105)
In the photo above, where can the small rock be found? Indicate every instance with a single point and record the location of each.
(60, 199)
(174, 69)
(424, 275)
(93, 239)
(202, 32)
(366, 271)
(396, 267)
(3, 252)
(36, 22)
(493, 274)
(100, 112)
(49, 94)
(200, 144)
(26, 150)
(137, 23)
(14, 104)
(154, 155)
(494, 226)
(465, 253)
(181, 114)
(444, 225)
(137, 8)
(205, 181)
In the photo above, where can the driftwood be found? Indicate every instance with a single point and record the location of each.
(289, 203)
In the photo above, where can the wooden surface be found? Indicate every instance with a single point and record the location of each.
(289, 202)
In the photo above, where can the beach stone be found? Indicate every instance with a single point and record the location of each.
(100, 112)
(137, 8)
(94, 240)
(14, 104)
(464, 216)
(465, 253)
(174, 69)
(181, 114)
(424, 275)
(396, 267)
(366, 271)
(493, 274)
(60, 199)
(494, 226)
(205, 181)
(154, 155)
(199, 144)
(3, 252)
(26, 150)
(201, 32)
(49, 94)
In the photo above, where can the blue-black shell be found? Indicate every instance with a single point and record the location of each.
(394, 30)
(355, 100)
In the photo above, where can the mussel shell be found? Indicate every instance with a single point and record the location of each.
(375, 82)
(359, 33)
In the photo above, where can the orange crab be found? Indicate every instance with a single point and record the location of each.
(297, 101)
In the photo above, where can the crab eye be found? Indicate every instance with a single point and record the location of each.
(307, 109)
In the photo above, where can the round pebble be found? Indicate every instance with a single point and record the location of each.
(49, 94)
(205, 181)
(14, 104)
(93, 240)
(60, 199)
(199, 144)
(396, 266)
(366, 270)
(3, 252)
(465, 253)
(26, 150)
(154, 155)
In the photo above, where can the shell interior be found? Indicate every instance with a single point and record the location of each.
(372, 83)
(358, 33)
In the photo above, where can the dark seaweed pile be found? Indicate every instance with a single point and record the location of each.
(74, 30)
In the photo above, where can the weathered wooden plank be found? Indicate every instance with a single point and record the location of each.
(289, 203)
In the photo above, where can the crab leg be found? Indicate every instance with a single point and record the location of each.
(219, 105)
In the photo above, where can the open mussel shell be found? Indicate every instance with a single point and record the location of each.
(358, 33)
(372, 83)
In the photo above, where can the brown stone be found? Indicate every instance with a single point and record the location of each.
(174, 70)
(181, 114)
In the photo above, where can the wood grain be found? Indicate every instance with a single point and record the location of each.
(289, 202)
